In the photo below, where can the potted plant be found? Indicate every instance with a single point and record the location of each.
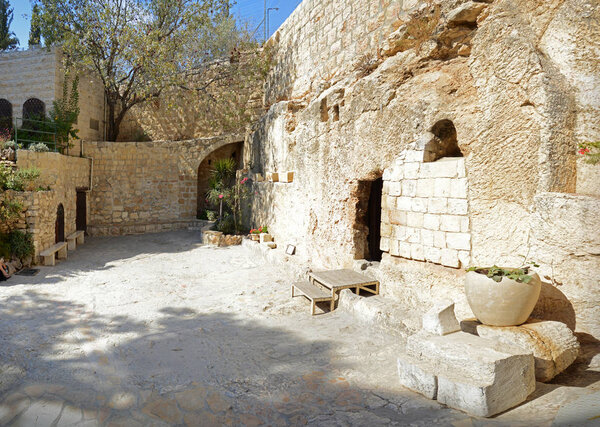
(502, 296)
(258, 234)
(255, 234)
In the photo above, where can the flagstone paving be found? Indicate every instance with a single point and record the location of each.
(160, 330)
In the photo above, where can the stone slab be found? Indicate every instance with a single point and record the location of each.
(475, 375)
(553, 344)
(415, 375)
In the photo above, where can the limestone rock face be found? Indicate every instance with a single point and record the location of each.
(476, 375)
(466, 13)
(553, 344)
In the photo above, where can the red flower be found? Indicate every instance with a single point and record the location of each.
(243, 181)
(220, 196)
(584, 151)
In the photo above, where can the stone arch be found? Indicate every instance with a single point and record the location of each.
(6, 114)
(59, 225)
(34, 108)
(444, 142)
(230, 150)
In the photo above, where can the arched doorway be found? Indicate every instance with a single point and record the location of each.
(34, 108)
(233, 151)
(59, 225)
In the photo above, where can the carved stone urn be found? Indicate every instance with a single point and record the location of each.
(504, 303)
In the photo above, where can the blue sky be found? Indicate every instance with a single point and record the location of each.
(251, 11)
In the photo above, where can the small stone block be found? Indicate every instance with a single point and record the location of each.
(286, 177)
(265, 237)
(440, 320)
(414, 375)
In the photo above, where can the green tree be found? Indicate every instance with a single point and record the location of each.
(8, 40)
(35, 32)
(140, 48)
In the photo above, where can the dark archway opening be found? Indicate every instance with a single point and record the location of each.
(6, 114)
(444, 143)
(374, 220)
(59, 225)
(34, 109)
(81, 214)
(367, 229)
(233, 151)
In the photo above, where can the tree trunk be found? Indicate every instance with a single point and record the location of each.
(114, 120)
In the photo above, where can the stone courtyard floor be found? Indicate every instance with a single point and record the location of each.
(160, 330)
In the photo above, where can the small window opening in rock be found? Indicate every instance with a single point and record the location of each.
(444, 143)
(324, 113)
(336, 113)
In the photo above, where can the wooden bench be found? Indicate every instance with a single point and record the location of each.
(58, 250)
(74, 239)
(313, 292)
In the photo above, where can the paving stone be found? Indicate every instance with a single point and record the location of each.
(164, 409)
(69, 416)
(553, 344)
(40, 413)
(414, 375)
(192, 400)
(440, 319)
(583, 412)
(217, 403)
(122, 400)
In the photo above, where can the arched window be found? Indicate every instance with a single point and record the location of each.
(444, 144)
(5, 114)
(34, 108)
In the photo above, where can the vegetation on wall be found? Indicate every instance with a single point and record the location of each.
(8, 40)
(590, 151)
(140, 49)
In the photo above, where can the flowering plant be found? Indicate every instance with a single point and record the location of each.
(591, 152)
(259, 230)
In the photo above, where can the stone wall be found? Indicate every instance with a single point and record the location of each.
(142, 187)
(63, 175)
(516, 102)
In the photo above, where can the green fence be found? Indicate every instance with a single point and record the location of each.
(34, 131)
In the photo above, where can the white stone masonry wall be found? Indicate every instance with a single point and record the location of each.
(425, 211)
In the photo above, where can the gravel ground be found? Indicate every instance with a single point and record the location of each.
(160, 330)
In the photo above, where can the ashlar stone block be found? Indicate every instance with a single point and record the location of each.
(415, 376)
(476, 375)
(553, 344)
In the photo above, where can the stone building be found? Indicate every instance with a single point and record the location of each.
(33, 79)
(428, 135)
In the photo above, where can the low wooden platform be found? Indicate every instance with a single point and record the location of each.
(337, 280)
(311, 291)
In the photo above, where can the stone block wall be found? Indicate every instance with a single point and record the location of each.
(142, 187)
(322, 39)
(425, 211)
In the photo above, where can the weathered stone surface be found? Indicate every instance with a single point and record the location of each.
(440, 319)
(466, 13)
(415, 375)
(553, 344)
(476, 375)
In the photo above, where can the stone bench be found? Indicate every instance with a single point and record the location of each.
(312, 292)
(74, 239)
(58, 250)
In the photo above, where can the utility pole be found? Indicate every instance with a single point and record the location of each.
(265, 20)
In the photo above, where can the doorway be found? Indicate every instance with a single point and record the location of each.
(374, 220)
(81, 212)
(59, 225)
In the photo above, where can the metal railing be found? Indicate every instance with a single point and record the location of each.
(33, 131)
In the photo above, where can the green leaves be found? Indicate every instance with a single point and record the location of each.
(496, 273)
(8, 40)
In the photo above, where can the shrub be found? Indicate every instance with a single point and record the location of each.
(10, 144)
(211, 215)
(21, 244)
(24, 179)
(226, 225)
(40, 147)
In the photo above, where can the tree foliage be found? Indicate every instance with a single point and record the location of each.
(139, 48)
(35, 31)
(8, 40)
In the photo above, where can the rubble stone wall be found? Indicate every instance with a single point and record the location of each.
(142, 187)
(61, 177)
